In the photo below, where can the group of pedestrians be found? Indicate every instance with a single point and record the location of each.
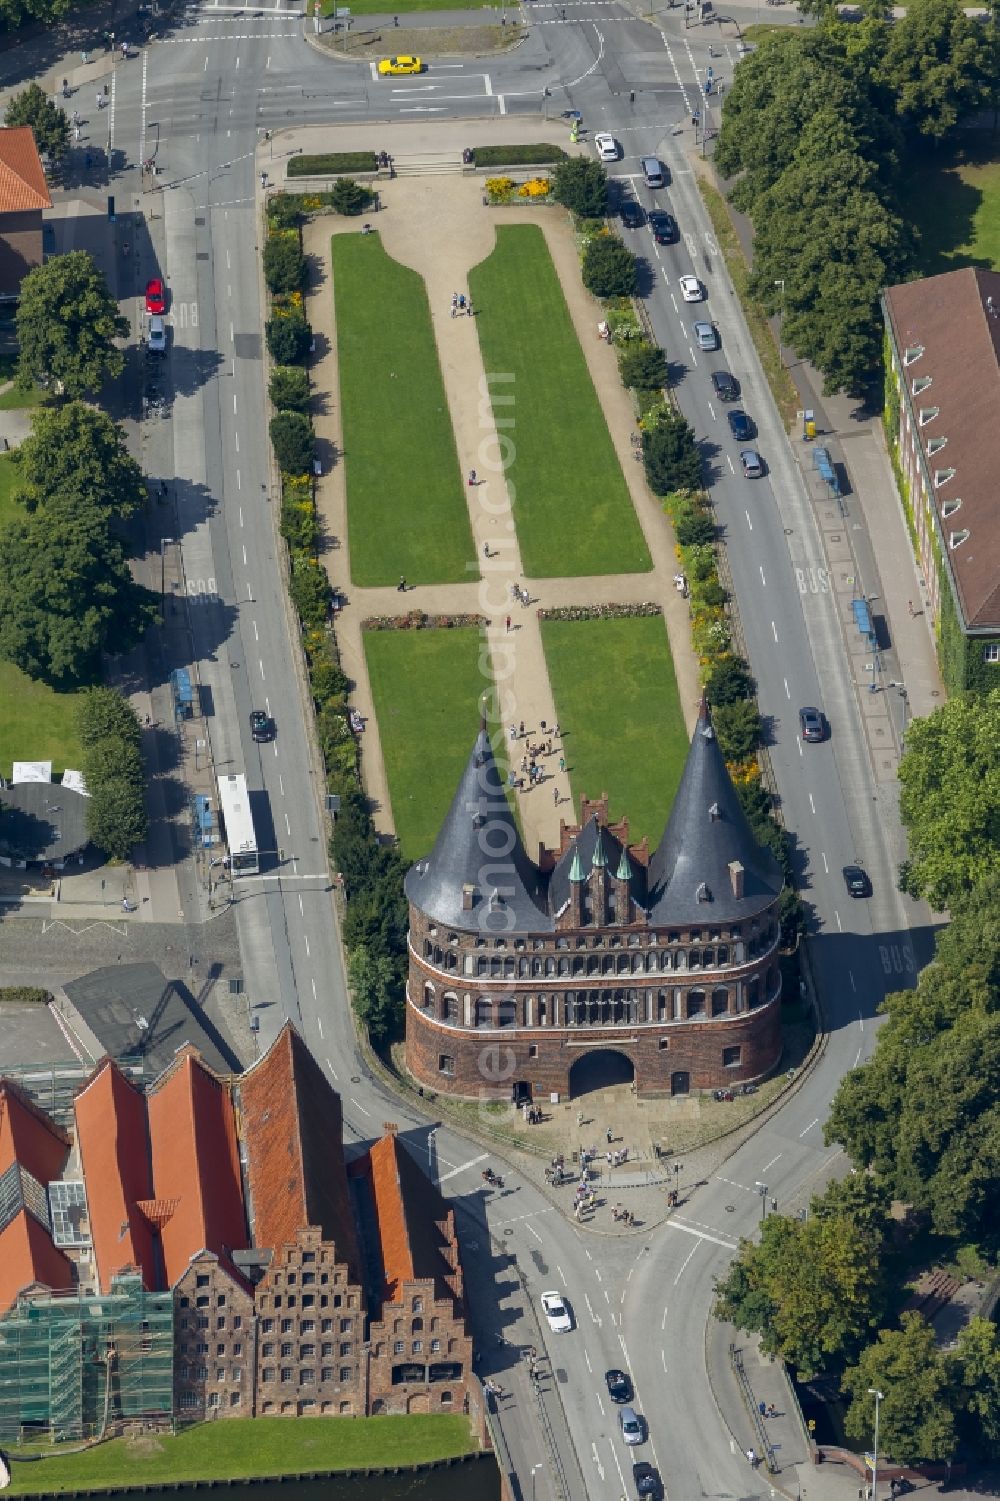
(532, 771)
(461, 306)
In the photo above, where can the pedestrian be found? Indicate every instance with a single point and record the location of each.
(513, 732)
(610, 1135)
(515, 592)
(454, 304)
(76, 132)
(762, 1409)
(468, 307)
(909, 605)
(555, 796)
(562, 763)
(100, 101)
(555, 731)
(401, 586)
(395, 20)
(508, 625)
(486, 549)
(521, 731)
(461, 302)
(84, 58)
(473, 481)
(525, 598)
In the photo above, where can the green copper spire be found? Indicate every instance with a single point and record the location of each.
(624, 868)
(600, 858)
(576, 869)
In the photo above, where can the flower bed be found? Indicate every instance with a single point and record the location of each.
(508, 190)
(599, 612)
(416, 620)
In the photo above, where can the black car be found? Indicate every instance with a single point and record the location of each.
(856, 880)
(664, 227)
(631, 213)
(647, 1480)
(619, 1386)
(726, 386)
(262, 726)
(812, 725)
(740, 426)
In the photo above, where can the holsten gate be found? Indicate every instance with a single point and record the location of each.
(664, 962)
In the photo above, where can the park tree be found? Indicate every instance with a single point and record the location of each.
(284, 263)
(975, 1375)
(916, 1410)
(66, 594)
(643, 366)
(32, 106)
(15, 13)
(116, 809)
(77, 452)
(67, 321)
(293, 441)
(288, 339)
(349, 197)
(609, 269)
(936, 67)
(814, 1291)
(376, 992)
(581, 185)
(105, 714)
(950, 799)
(289, 388)
(671, 456)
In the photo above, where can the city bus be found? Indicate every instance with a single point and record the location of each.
(237, 825)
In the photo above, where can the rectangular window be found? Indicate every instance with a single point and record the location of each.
(267, 1326)
(345, 1373)
(345, 1348)
(446, 1064)
(237, 1322)
(397, 1348)
(286, 1374)
(731, 1057)
(435, 1346)
(189, 1399)
(345, 1326)
(308, 1326)
(326, 1326)
(307, 1376)
(307, 1352)
(991, 651)
(267, 1374)
(286, 1326)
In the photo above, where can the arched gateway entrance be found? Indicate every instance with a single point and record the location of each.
(600, 1069)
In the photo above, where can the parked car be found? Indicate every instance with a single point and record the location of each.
(664, 227)
(857, 881)
(157, 336)
(725, 386)
(705, 335)
(619, 1386)
(812, 725)
(740, 426)
(631, 213)
(691, 289)
(633, 1430)
(557, 1312)
(156, 301)
(753, 464)
(606, 147)
(396, 67)
(262, 726)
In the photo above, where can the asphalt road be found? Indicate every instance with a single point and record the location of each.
(200, 97)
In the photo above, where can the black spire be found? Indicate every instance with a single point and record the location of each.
(708, 866)
(478, 874)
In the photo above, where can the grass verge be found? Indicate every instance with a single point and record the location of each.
(8, 479)
(426, 686)
(782, 386)
(241, 1447)
(406, 508)
(619, 710)
(15, 399)
(572, 507)
(36, 724)
(951, 196)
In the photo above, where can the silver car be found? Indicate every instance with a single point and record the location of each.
(157, 336)
(705, 335)
(632, 1429)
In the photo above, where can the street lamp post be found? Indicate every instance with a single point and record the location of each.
(873, 1391)
(534, 1468)
(781, 321)
(164, 543)
(678, 1169)
(762, 1190)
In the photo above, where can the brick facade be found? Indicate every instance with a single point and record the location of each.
(213, 1343)
(421, 1354)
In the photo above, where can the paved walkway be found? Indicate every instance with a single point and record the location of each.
(439, 227)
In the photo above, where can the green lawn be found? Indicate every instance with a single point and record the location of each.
(616, 698)
(426, 686)
(15, 398)
(8, 476)
(36, 723)
(571, 504)
(952, 197)
(406, 506)
(263, 1446)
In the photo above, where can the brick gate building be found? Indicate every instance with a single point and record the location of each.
(521, 970)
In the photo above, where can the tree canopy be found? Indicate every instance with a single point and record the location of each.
(77, 452)
(581, 185)
(950, 798)
(32, 106)
(936, 66)
(66, 323)
(916, 1419)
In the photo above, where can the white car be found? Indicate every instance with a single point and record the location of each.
(691, 288)
(555, 1310)
(607, 147)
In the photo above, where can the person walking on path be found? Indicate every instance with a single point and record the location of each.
(555, 796)
(401, 586)
(562, 763)
(508, 625)
(472, 481)
(468, 307)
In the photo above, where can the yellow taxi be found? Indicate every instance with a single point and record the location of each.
(395, 67)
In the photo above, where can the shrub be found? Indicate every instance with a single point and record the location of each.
(694, 526)
(328, 680)
(332, 161)
(289, 388)
(298, 524)
(284, 263)
(581, 185)
(293, 442)
(609, 269)
(24, 995)
(284, 211)
(671, 455)
(643, 366)
(535, 187)
(738, 727)
(288, 339)
(517, 156)
(729, 681)
(310, 590)
(349, 197)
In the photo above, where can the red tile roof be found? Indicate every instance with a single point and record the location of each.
(955, 318)
(27, 1255)
(291, 1125)
(22, 181)
(195, 1163)
(114, 1152)
(415, 1225)
(28, 1137)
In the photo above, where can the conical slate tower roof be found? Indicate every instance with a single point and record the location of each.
(479, 852)
(706, 841)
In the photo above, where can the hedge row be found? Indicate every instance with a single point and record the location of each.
(332, 161)
(517, 156)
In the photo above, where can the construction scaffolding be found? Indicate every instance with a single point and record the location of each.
(74, 1366)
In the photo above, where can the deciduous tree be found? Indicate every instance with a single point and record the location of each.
(935, 66)
(116, 810)
(105, 714)
(581, 185)
(32, 106)
(67, 321)
(76, 452)
(672, 459)
(609, 269)
(916, 1414)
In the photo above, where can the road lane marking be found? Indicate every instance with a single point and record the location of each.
(600, 1404)
(597, 1274)
(762, 578)
(532, 1231)
(774, 631)
(812, 805)
(663, 1357)
(770, 1164)
(850, 976)
(562, 1275)
(314, 998)
(331, 1068)
(302, 909)
(319, 1019)
(683, 1267)
(463, 1166)
(590, 1310)
(586, 1356)
(825, 865)
(808, 1128)
(600, 1467)
(716, 1240)
(663, 1321)
(357, 1106)
(788, 691)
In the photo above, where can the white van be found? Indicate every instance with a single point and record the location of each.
(653, 171)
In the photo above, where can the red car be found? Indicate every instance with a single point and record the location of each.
(156, 301)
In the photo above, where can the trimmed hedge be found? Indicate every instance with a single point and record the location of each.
(517, 156)
(24, 995)
(332, 161)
